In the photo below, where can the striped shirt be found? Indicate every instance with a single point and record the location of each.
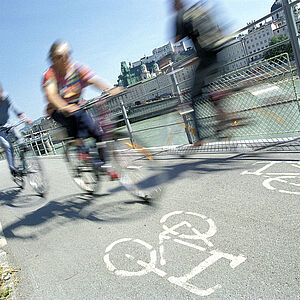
(70, 85)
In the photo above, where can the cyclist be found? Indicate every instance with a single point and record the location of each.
(196, 23)
(6, 105)
(62, 84)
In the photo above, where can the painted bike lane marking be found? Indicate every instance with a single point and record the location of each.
(286, 178)
(158, 258)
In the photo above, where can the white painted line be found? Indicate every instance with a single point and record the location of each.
(189, 245)
(267, 184)
(3, 241)
(151, 268)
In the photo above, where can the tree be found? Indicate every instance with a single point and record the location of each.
(283, 48)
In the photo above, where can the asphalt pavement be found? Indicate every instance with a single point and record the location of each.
(226, 227)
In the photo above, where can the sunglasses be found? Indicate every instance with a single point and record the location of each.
(57, 57)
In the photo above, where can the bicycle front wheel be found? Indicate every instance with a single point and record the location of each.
(138, 167)
(82, 168)
(35, 173)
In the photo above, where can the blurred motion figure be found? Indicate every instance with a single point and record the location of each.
(63, 84)
(197, 23)
(7, 105)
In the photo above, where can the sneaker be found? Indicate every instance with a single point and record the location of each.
(15, 173)
(112, 174)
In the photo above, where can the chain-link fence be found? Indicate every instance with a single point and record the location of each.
(266, 109)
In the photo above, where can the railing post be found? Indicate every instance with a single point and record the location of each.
(292, 28)
(44, 145)
(37, 146)
(51, 143)
(185, 120)
(128, 125)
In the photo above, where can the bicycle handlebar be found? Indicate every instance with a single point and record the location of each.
(2, 128)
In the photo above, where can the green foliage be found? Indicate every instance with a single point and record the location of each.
(5, 294)
(284, 48)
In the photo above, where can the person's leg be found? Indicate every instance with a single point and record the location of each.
(5, 143)
(68, 122)
(205, 72)
(87, 127)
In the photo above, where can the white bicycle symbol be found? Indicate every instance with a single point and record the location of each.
(171, 233)
(287, 183)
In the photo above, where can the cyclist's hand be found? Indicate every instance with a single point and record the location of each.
(29, 122)
(69, 109)
(115, 90)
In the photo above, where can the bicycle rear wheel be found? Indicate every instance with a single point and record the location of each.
(18, 178)
(82, 168)
(138, 167)
(35, 173)
(19, 181)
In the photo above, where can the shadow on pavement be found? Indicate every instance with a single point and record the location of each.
(75, 207)
(8, 195)
(202, 166)
(14, 197)
(172, 167)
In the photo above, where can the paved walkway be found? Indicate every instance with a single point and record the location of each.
(227, 227)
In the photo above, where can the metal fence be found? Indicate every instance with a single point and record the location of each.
(269, 104)
(266, 110)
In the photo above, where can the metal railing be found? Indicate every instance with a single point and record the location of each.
(270, 103)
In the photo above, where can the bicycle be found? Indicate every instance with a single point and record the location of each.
(27, 164)
(135, 165)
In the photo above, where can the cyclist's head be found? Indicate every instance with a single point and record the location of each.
(178, 4)
(59, 53)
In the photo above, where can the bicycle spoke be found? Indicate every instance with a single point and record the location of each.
(82, 169)
(139, 170)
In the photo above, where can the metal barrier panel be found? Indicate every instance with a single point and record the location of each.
(267, 109)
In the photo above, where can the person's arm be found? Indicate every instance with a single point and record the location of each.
(18, 112)
(104, 85)
(24, 118)
(51, 93)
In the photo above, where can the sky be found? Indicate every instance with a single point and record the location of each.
(102, 33)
